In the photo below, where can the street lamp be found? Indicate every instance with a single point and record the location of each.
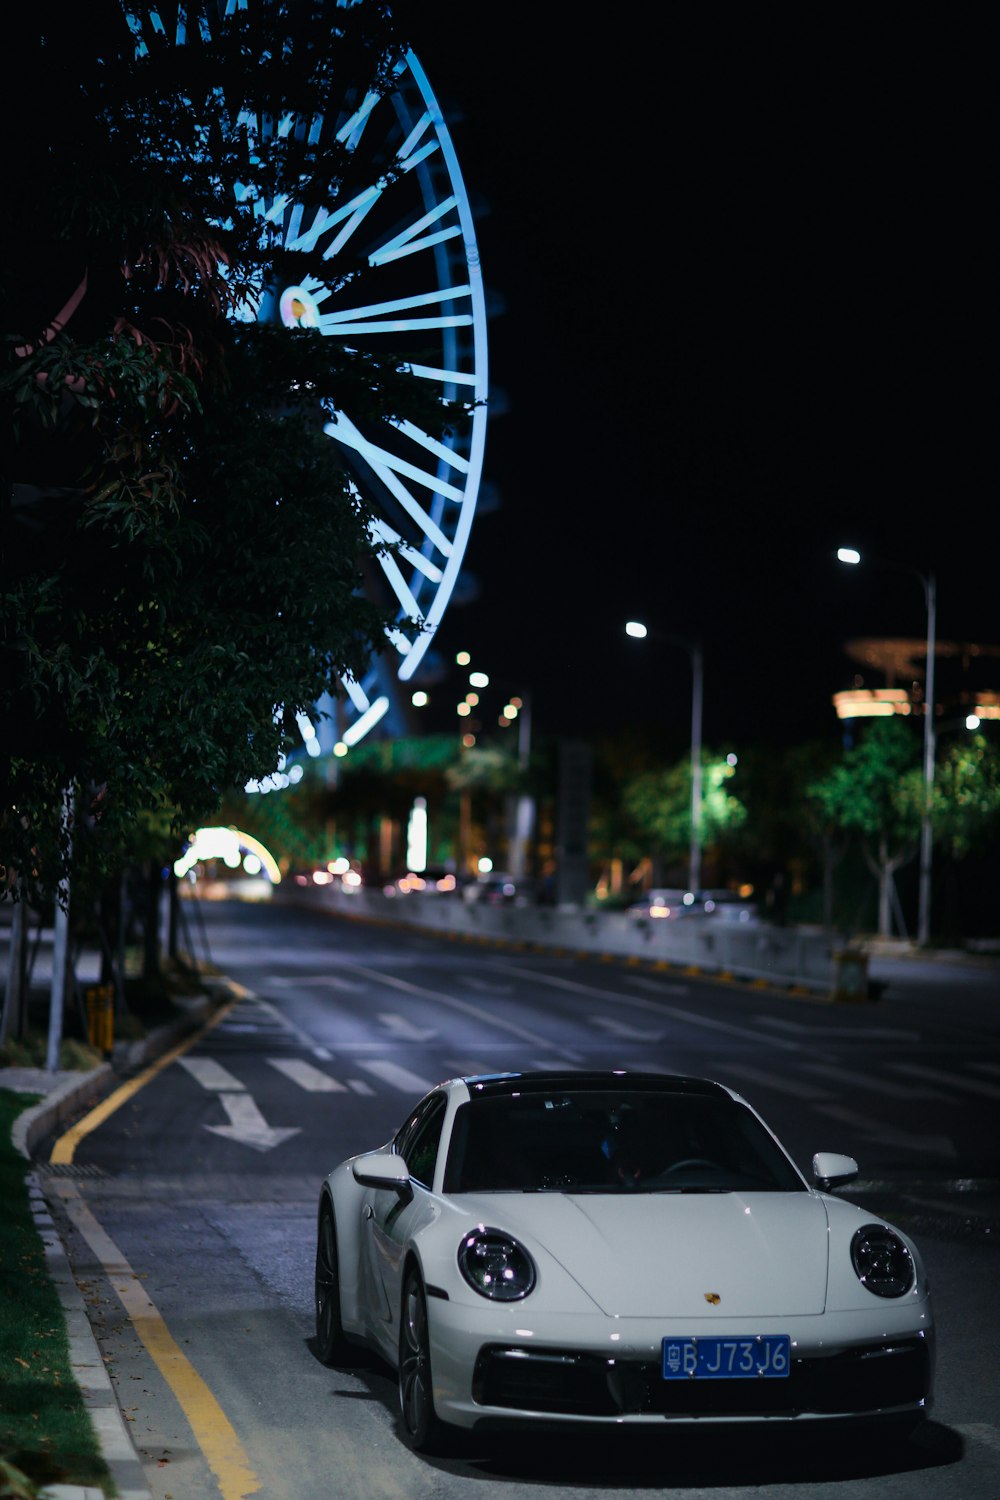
(638, 631)
(929, 585)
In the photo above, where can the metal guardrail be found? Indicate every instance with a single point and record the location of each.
(797, 958)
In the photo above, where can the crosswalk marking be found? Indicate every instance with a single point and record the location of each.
(657, 986)
(358, 1086)
(948, 1080)
(778, 1082)
(396, 1076)
(486, 986)
(898, 1140)
(856, 1033)
(306, 1076)
(401, 1028)
(211, 1075)
(874, 1085)
(328, 981)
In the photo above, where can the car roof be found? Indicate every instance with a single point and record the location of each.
(499, 1085)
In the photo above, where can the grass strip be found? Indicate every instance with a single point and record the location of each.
(46, 1435)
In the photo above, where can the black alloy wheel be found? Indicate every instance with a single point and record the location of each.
(423, 1428)
(331, 1345)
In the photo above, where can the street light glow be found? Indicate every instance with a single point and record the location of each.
(848, 555)
(478, 679)
(636, 629)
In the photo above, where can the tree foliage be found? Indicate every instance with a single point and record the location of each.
(659, 803)
(966, 808)
(183, 555)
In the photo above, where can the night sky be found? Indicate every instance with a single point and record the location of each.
(741, 317)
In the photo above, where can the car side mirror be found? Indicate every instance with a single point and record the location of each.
(379, 1170)
(831, 1170)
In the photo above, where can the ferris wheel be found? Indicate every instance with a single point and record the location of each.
(412, 226)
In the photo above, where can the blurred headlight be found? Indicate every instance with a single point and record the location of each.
(882, 1262)
(495, 1265)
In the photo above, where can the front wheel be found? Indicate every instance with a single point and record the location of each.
(331, 1346)
(423, 1428)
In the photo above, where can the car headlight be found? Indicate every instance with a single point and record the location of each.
(495, 1265)
(882, 1262)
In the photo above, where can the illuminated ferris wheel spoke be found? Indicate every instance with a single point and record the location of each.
(440, 450)
(371, 319)
(386, 465)
(400, 587)
(449, 377)
(382, 532)
(404, 243)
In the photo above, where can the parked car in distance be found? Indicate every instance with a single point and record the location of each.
(661, 904)
(435, 881)
(498, 889)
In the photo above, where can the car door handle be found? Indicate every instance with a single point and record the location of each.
(369, 1212)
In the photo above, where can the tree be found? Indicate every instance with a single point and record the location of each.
(659, 803)
(183, 556)
(877, 792)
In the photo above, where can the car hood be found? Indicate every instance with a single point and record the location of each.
(671, 1255)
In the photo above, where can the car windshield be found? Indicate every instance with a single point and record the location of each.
(597, 1142)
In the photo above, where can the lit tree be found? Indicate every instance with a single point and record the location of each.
(877, 791)
(659, 804)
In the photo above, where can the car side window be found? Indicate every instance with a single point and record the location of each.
(417, 1143)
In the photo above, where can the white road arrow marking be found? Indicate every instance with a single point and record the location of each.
(405, 1030)
(622, 1028)
(313, 1080)
(211, 1075)
(899, 1140)
(247, 1126)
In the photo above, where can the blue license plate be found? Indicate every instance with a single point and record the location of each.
(762, 1356)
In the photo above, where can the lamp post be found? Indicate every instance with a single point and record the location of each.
(638, 631)
(929, 585)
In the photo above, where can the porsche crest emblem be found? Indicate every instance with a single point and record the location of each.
(713, 1297)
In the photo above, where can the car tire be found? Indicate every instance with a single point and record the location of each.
(331, 1345)
(423, 1428)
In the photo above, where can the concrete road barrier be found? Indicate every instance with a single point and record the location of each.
(790, 957)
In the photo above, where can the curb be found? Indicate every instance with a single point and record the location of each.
(99, 1398)
(113, 1437)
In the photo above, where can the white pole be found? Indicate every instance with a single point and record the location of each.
(926, 828)
(697, 694)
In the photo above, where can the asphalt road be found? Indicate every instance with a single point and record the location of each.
(203, 1185)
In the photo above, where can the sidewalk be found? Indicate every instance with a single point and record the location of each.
(64, 1094)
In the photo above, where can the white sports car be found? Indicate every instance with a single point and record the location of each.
(614, 1248)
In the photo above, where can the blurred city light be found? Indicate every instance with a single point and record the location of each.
(637, 629)
(848, 555)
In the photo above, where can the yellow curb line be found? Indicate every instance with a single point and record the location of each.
(212, 1430)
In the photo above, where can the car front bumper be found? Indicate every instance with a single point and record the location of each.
(843, 1365)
